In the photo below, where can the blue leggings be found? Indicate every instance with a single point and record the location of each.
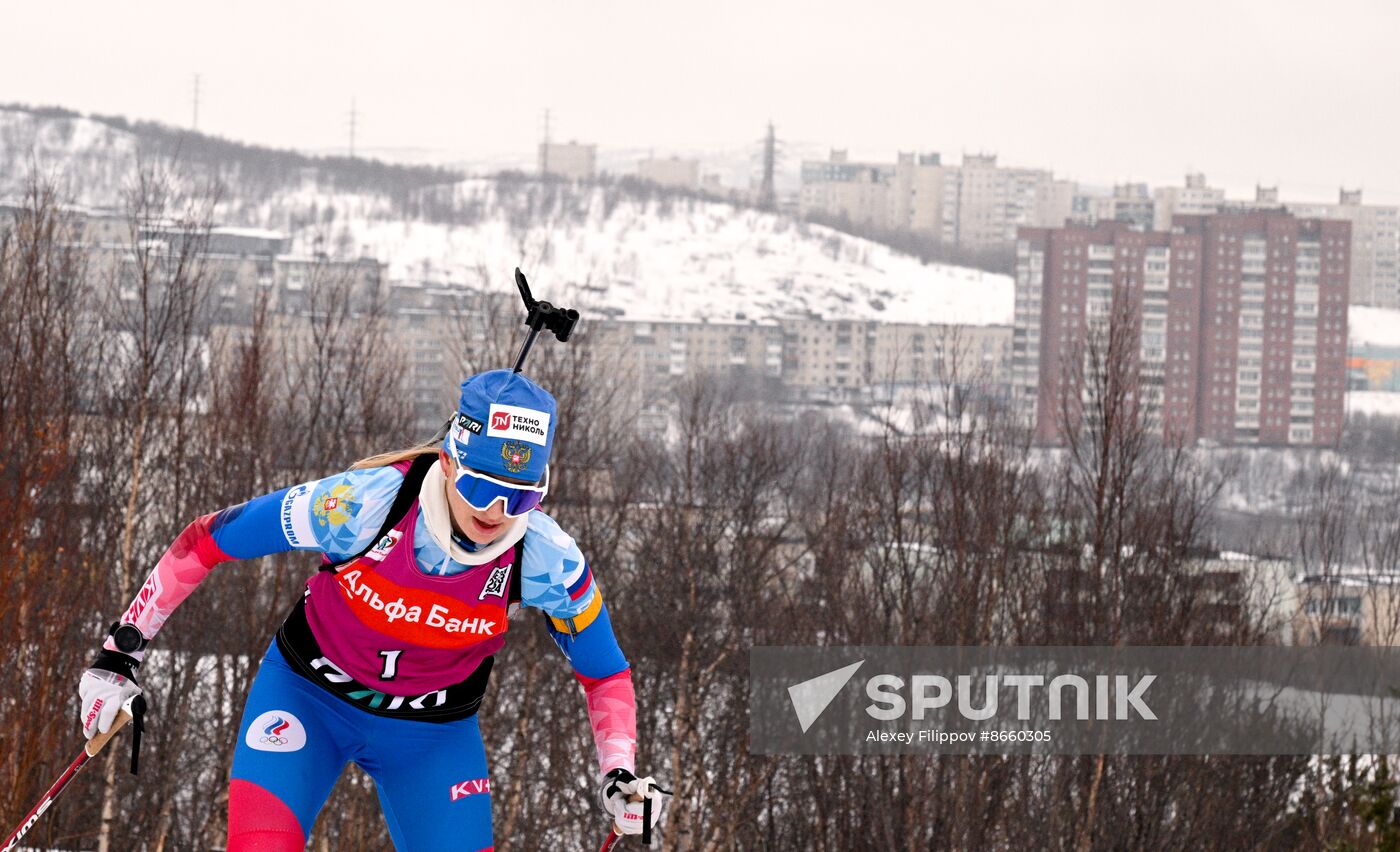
(295, 740)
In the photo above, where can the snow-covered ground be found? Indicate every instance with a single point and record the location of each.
(678, 259)
(1374, 402)
(92, 159)
(1374, 326)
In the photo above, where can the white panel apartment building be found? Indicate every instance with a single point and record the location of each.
(683, 174)
(976, 205)
(984, 203)
(821, 359)
(570, 161)
(861, 192)
(967, 355)
(1375, 245)
(849, 359)
(1375, 230)
(1193, 199)
(1130, 202)
(916, 193)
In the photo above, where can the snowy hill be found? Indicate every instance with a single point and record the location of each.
(95, 157)
(621, 253)
(624, 255)
(615, 249)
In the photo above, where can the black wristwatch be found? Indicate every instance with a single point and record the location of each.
(127, 637)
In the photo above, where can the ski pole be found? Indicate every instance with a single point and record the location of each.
(616, 831)
(135, 706)
(609, 840)
(643, 786)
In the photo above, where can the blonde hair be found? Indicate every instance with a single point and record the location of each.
(394, 456)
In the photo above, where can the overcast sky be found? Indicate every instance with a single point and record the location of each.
(1294, 92)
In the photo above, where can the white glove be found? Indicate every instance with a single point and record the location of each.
(619, 788)
(103, 690)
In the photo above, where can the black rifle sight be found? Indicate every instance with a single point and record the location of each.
(541, 315)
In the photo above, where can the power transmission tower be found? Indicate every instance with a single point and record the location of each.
(767, 195)
(195, 123)
(354, 116)
(544, 146)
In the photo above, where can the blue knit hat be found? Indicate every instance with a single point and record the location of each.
(504, 426)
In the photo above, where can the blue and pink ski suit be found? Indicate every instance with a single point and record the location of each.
(384, 660)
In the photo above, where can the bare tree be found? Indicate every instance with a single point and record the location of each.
(44, 363)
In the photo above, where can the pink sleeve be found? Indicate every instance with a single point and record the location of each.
(612, 711)
(183, 566)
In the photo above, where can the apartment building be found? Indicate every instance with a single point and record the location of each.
(442, 330)
(1130, 202)
(843, 360)
(831, 355)
(1240, 317)
(670, 172)
(645, 358)
(666, 350)
(840, 187)
(243, 274)
(1347, 606)
(570, 160)
(812, 358)
(1193, 199)
(911, 354)
(1067, 281)
(984, 204)
(916, 193)
(977, 204)
(1375, 245)
(1274, 321)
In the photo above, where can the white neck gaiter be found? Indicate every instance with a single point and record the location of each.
(437, 517)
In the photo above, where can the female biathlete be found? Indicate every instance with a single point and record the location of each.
(384, 660)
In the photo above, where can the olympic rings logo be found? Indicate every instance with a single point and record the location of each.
(273, 732)
(276, 731)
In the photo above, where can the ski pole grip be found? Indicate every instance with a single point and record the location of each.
(97, 742)
(634, 798)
